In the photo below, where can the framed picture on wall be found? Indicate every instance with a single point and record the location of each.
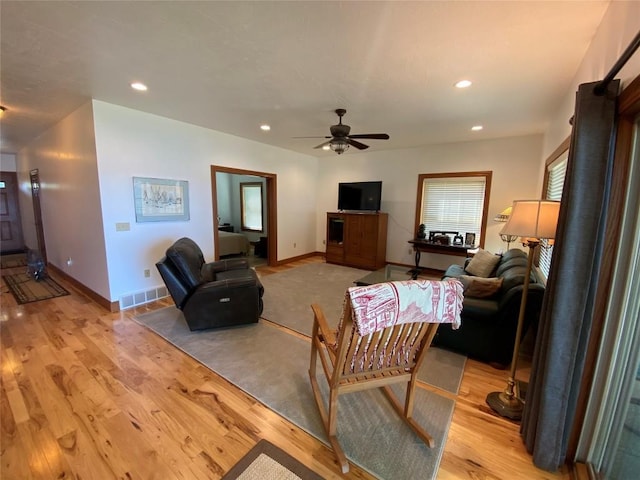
(160, 200)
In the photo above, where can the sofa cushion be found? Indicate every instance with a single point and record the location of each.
(482, 264)
(479, 287)
(513, 277)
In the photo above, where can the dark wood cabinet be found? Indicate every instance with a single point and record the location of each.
(357, 239)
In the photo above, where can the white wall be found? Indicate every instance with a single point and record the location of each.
(8, 162)
(514, 162)
(619, 26)
(65, 156)
(131, 143)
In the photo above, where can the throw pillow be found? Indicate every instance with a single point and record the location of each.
(480, 287)
(483, 263)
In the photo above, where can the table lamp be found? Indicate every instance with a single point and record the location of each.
(533, 220)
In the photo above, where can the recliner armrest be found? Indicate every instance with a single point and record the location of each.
(224, 265)
(228, 283)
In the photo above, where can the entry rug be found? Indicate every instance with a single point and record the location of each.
(27, 290)
(13, 261)
(272, 366)
(266, 461)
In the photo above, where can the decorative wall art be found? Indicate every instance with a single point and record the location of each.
(159, 200)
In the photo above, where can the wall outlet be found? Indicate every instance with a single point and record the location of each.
(147, 273)
(69, 262)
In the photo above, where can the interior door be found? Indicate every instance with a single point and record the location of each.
(11, 239)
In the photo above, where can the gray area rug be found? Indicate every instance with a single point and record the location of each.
(272, 366)
(288, 297)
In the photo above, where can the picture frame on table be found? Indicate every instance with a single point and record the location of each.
(470, 239)
(160, 200)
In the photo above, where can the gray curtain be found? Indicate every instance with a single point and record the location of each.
(567, 311)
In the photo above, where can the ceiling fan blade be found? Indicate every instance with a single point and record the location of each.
(323, 144)
(375, 136)
(314, 137)
(358, 145)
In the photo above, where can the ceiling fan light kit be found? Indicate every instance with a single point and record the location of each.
(339, 145)
(341, 138)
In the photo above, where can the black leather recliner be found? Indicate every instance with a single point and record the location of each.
(217, 294)
(488, 329)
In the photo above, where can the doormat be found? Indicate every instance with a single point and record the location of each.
(26, 290)
(13, 261)
(265, 460)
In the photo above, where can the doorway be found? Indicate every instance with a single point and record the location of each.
(11, 238)
(271, 233)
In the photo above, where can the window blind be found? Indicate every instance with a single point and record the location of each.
(251, 196)
(453, 204)
(555, 184)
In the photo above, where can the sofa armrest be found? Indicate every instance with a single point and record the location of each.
(454, 271)
(479, 308)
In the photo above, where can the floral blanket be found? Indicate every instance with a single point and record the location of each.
(386, 304)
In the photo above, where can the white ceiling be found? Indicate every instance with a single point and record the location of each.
(231, 66)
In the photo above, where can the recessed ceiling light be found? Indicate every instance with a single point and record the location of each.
(476, 128)
(2, 109)
(141, 87)
(265, 127)
(463, 84)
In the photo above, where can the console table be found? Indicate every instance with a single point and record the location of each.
(420, 245)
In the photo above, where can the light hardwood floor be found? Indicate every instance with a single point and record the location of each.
(90, 394)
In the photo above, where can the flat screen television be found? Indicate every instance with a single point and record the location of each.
(360, 196)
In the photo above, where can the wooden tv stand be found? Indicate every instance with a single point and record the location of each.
(357, 239)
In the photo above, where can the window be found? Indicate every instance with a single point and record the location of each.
(454, 202)
(553, 191)
(251, 206)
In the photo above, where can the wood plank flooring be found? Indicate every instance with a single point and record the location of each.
(93, 395)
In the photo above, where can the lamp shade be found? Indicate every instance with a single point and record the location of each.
(503, 216)
(533, 219)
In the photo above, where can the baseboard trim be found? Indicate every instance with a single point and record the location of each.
(299, 257)
(113, 307)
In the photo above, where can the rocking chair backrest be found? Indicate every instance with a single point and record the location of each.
(385, 327)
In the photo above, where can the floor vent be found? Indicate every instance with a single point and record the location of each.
(145, 296)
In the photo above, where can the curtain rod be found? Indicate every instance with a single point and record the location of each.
(601, 87)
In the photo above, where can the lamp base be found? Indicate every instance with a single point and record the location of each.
(505, 406)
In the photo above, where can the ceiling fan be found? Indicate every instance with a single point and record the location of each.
(340, 138)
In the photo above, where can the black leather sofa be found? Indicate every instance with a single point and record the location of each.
(489, 325)
(217, 294)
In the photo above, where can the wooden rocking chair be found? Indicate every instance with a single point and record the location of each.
(382, 337)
